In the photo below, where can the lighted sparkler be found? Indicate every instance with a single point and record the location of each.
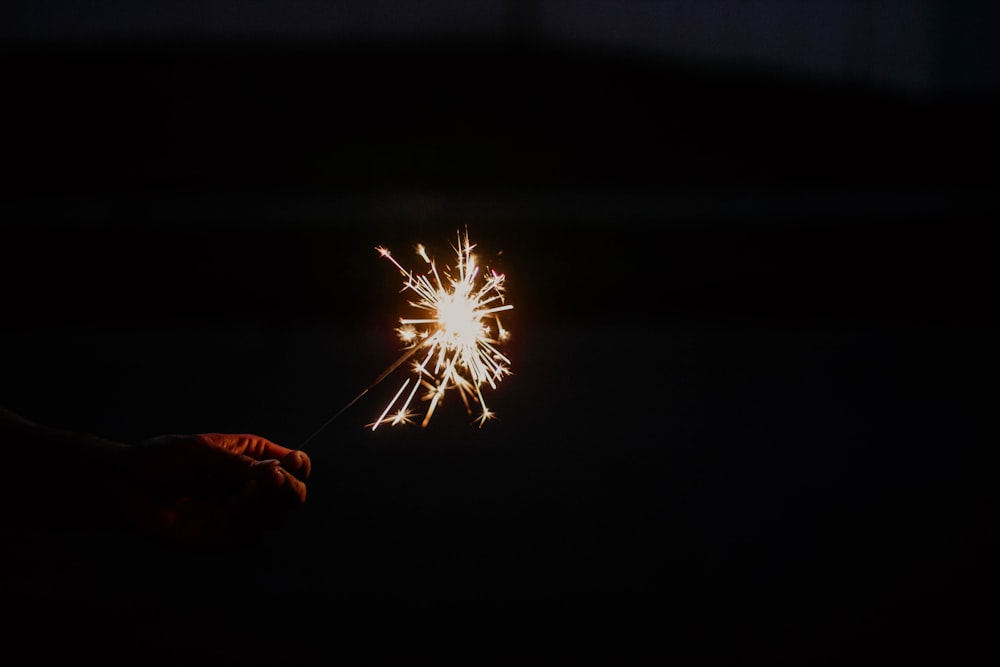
(456, 335)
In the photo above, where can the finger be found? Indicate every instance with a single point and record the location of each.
(281, 485)
(298, 463)
(211, 450)
(295, 489)
(247, 444)
(295, 461)
(266, 473)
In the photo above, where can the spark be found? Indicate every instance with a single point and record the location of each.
(457, 310)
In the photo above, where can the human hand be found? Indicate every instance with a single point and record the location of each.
(212, 488)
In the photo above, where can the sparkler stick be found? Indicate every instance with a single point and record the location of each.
(383, 375)
(461, 348)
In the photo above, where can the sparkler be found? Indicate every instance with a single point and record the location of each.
(460, 307)
(456, 336)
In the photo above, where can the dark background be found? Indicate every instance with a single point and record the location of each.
(753, 330)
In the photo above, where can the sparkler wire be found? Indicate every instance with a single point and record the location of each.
(383, 375)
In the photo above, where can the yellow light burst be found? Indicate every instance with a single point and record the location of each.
(456, 334)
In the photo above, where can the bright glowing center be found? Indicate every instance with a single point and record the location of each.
(458, 319)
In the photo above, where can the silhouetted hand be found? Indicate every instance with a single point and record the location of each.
(212, 488)
(204, 489)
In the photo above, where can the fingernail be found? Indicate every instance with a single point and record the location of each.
(266, 463)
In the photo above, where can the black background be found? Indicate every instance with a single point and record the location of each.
(753, 349)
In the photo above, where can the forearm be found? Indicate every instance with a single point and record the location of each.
(59, 474)
(61, 450)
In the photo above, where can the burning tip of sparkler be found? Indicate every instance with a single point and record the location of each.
(455, 333)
